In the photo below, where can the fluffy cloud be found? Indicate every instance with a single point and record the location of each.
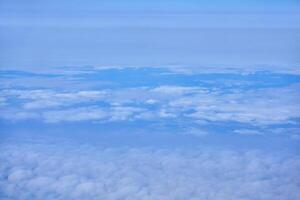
(63, 170)
(256, 106)
(261, 106)
(40, 99)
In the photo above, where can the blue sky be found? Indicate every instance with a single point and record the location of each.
(148, 33)
(95, 5)
(134, 99)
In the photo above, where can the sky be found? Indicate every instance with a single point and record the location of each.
(171, 5)
(149, 100)
(43, 34)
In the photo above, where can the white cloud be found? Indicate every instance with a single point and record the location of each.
(92, 113)
(248, 132)
(41, 99)
(63, 99)
(151, 101)
(163, 113)
(196, 132)
(66, 171)
(120, 113)
(174, 90)
(293, 132)
(75, 114)
(256, 106)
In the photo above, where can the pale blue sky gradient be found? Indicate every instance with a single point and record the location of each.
(149, 33)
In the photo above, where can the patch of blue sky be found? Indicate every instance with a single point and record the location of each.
(153, 77)
(124, 134)
(21, 74)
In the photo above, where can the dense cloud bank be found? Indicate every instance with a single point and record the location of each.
(52, 170)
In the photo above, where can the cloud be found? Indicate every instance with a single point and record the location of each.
(15, 115)
(75, 114)
(92, 113)
(174, 90)
(293, 132)
(196, 132)
(3, 101)
(120, 113)
(185, 98)
(247, 132)
(47, 99)
(59, 170)
(254, 106)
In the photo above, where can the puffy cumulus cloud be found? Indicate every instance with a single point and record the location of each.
(66, 171)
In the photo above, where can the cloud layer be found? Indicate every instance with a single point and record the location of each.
(57, 170)
(254, 106)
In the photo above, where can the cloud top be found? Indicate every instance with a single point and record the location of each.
(66, 171)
